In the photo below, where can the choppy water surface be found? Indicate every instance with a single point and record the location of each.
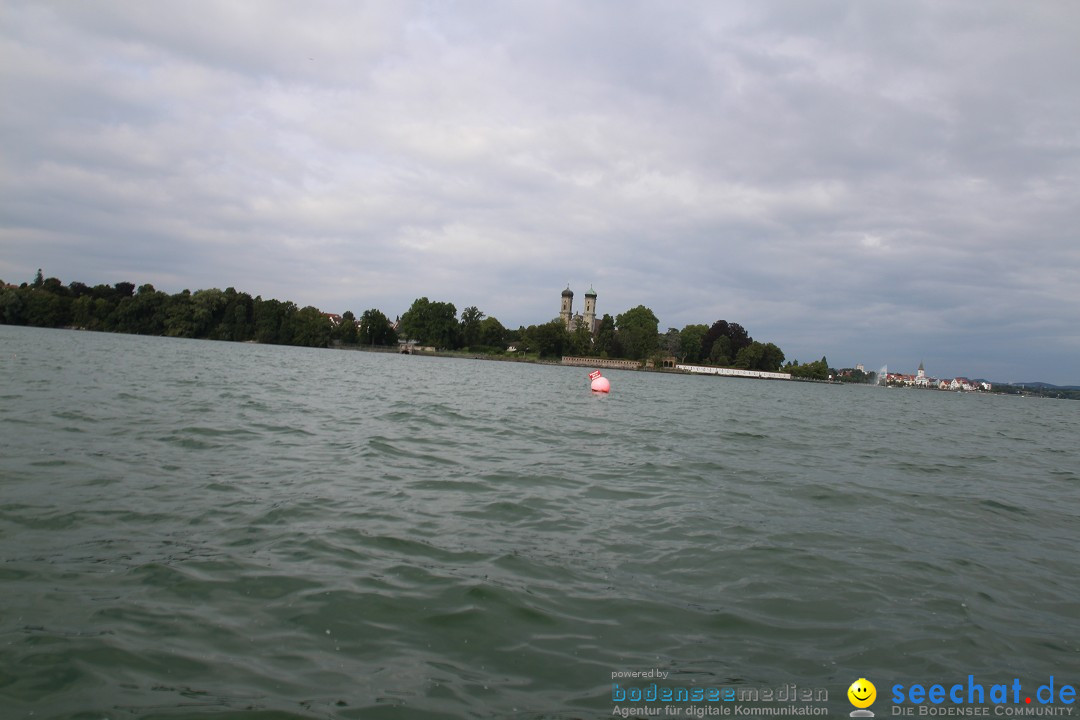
(195, 529)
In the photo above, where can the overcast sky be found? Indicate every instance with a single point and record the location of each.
(878, 182)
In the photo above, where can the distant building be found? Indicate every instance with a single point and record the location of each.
(590, 310)
(573, 320)
(920, 379)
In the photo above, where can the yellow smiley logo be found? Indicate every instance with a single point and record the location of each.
(862, 693)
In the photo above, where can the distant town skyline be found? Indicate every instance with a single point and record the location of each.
(877, 184)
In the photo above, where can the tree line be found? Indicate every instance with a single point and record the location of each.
(632, 335)
(230, 315)
(207, 314)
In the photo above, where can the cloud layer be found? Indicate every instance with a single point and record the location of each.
(878, 183)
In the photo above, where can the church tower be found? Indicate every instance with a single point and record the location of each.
(566, 311)
(590, 310)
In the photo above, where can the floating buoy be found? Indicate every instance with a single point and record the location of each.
(599, 384)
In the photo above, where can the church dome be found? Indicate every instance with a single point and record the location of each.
(591, 293)
(568, 292)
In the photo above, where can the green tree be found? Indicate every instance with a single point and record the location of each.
(271, 318)
(346, 331)
(854, 375)
(470, 326)
(309, 327)
(552, 339)
(760, 356)
(749, 357)
(13, 306)
(604, 344)
(690, 342)
(526, 338)
(43, 309)
(720, 351)
(772, 358)
(54, 286)
(637, 332)
(431, 323)
(82, 312)
(102, 314)
(737, 337)
(581, 341)
(818, 370)
(670, 343)
(179, 315)
(492, 333)
(143, 314)
(238, 318)
(207, 311)
(375, 329)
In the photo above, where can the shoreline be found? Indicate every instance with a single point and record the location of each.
(560, 363)
(1047, 394)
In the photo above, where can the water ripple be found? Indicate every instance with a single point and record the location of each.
(245, 531)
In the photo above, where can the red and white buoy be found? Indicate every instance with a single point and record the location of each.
(599, 384)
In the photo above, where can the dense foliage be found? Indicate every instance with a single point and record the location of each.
(211, 314)
(818, 370)
(633, 335)
(1038, 390)
(230, 315)
(431, 323)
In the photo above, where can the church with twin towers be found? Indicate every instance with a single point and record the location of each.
(573, 320)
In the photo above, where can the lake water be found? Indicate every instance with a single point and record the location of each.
(201, 529)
